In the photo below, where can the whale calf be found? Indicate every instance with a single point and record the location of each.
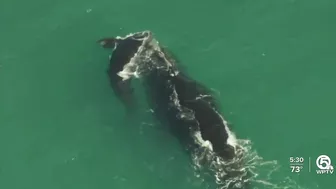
(123, 50)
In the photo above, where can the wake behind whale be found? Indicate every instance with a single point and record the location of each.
(186, 106)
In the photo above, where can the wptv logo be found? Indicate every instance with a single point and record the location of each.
(323, 162)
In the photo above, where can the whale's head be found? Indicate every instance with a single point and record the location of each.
(124, 50)
(128, 43)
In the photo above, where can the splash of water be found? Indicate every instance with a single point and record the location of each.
(246, 170)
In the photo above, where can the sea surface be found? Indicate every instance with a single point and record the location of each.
(271, 62)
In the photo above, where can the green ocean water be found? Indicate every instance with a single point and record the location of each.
(272, 63)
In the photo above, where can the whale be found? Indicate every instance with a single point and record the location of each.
(123, 50)
(187, 107)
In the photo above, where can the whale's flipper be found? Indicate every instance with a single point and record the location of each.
(108, 43)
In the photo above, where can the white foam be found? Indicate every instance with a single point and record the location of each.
(204, 143)
(130, 69)
(232, 140)
(136, 66)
